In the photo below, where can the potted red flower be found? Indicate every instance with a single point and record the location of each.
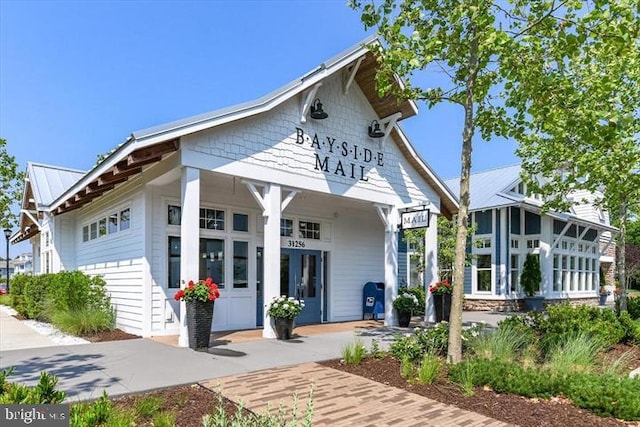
(441, 292)
(199, 297)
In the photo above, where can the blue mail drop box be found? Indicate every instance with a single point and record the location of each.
(372, 300)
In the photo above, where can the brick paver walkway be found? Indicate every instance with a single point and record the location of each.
(342, 399)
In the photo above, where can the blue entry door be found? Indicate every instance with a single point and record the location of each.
(300, 275)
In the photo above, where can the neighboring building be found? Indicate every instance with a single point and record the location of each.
(3, 270)
(573, 246)
(22, 264)
(266, 197)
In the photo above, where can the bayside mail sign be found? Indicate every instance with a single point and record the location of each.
(340, 157)
(415, 219)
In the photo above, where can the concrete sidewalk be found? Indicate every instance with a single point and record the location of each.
(15, 335)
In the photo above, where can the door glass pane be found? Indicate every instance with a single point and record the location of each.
(259, 270)
(174, 262)
(284, 274)
(240, 258)
(212, 260)
(308, 274)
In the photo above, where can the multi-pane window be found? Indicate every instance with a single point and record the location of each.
(309, 230)
(286, 227)
(211, 219)
(483, 273)
(108, 224)
(484, 242)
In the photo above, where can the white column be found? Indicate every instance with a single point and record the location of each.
(272, 200)
(504, 238)
(189, 239)
(390, 265)
(431, 265)
(546, 255)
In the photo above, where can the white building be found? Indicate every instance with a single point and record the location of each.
(262, 197)
(572, 246)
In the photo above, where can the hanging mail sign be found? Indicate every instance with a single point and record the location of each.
(415, 219)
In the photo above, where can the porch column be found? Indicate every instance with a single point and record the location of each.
(389, 216)
(431, 265)
(189, 239)
(271, 213)
(546, 256)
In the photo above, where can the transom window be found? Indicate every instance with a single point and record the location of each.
(211, 219)
(309, 230)
(107, 225)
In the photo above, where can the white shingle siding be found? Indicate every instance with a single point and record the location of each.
(269, 150)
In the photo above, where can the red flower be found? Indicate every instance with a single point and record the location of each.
(179, 295)
(443, 287)
(202, 290)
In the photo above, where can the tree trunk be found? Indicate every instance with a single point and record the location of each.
(621, 261)
(454, 352)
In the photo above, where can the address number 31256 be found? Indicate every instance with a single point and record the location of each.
(295, 244)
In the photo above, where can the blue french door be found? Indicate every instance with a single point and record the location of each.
(300, 277)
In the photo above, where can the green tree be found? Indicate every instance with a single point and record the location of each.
(10, 186)
(468, 42)
(579, 101)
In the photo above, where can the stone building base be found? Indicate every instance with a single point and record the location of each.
(519, 305)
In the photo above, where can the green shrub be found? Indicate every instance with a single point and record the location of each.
(84, 321)
(563, 319)
(36, 297)
(418, 292)
(74, 290)
(631, 328)
(526, 325)
(42, 393)
(147, 406)
(93, 414)
(375, 350)
(605, 395)
(164, 419)
(415, 346)
(18, 284)
(6, 300)
(531, 276)
(633, 307)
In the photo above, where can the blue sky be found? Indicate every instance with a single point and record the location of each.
(77, 77)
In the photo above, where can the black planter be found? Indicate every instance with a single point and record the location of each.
(603, 299)
(199, 319)
(284, 328)
(534, 303)
(442, 303)
(404, 318)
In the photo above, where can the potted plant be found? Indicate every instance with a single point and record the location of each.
(530, 280)
(283, 310)
(441, 292)
(405, 303)
(603, 293)
(199, 297)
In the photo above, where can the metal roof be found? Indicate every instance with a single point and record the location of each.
(486, 187)
(49, 182)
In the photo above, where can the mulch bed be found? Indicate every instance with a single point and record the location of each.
(509, 408)
(189, 403)
(115, 335)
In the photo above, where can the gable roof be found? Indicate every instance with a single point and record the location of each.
(491, 189)
(145, 147)
(49, 182)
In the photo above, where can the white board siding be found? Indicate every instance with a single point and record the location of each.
(357, 258)
(117, 257)
(264, 148)
(65, 241)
